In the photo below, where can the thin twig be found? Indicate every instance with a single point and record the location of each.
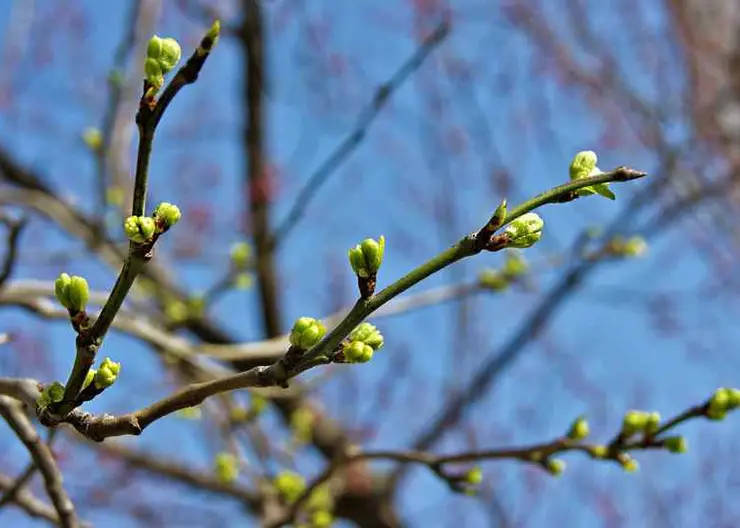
(466, 247)
(42, 456)
(354, 138)
(33, 296)
(272, 349)
(538, 454)
(115, 120)
(280, 372)
(147, 119)
(29, 503)
(20, 481)
(11, 253)
(98, 428)
(25, 390)
(176, 471)
(24, 477)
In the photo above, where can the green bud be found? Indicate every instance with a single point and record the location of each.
(290, 485)
(210, 39)
(357, 261)
(52, 393)
(718, 404)
(555, 466)
(176, 311)
(243, 281)
(733, 399)
(598, 451)
(306, 332)
(240, 253)
(676, 444)
(116, 78)
(373, 252)
(153, 72)
(257, 405)
(238, 414)
(358, 352)
(107, 373)
(653, 422)
(167, 214)
(492, 279)
(301, 424)
(635, 247)
(226, 467)
(321, 499)
(634, 422)
(72, 292)
(196, 306)
(583, 166)
(93, 138)
(474, 476)
(89, 378)
(631, 247)
(78, 294)
(154, 48)
(515, 265)
(321, 519)
(170, 54)
(525, 231)
(165, 52)
(366, 257)
(139, 229)
(368, 334)
(629, 464)
(214, 31)
(60, 289)
(114, 195)
(579, 429)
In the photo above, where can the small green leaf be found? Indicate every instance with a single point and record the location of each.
(603, 190)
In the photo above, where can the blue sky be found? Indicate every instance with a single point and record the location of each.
(601, 354)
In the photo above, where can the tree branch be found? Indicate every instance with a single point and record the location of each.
(289, 366)
(149, 115)
(539, 454)
(11, 411)
(177, 472)
(14, 228)
(24, 477)
(31, 504)
(464, 248)
(350, 143)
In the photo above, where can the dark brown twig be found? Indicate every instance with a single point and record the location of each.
(14, 228)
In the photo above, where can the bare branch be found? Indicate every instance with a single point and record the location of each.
(102, 427)
(354, 138)
(34, 296)
(42, 456)
(538, 454)
(177, 472)
(14, 228)
(25, 477)
(25, 390)
(29, 503)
